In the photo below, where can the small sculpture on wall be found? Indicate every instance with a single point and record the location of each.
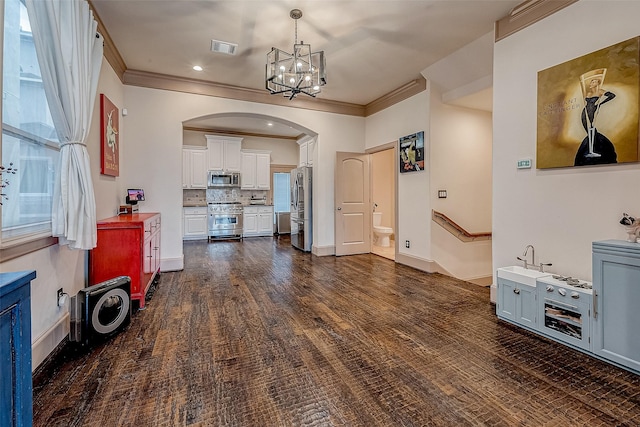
(632, 227)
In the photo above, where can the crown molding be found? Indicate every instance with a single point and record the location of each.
(405, 91)
(110, 51)
(527, 13)
(201, 87)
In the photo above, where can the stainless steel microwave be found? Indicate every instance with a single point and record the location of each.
(218, 179)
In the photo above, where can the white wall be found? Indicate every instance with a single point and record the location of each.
(194, 138)
(283, 151)
(154, 142)
(57, 266)
(461, 150)
(110, 193)
(561, 212)
(414, 212)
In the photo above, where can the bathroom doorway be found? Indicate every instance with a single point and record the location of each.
(383, 200)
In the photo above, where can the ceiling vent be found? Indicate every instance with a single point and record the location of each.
(223, 47)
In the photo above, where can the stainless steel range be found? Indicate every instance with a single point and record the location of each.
(566, 310)
(225, 220)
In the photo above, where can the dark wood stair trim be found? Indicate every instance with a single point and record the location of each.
(455, 229)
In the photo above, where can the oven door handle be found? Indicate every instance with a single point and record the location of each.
(595, 304)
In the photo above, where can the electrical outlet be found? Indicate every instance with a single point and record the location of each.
(407, 244)
(58, 296)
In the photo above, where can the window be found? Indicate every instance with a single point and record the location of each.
(29, 139)
(281, 192)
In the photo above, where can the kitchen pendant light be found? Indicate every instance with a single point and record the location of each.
(302, 71)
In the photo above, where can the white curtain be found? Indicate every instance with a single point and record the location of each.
(69, 51)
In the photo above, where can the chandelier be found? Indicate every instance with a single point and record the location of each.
(300, 72)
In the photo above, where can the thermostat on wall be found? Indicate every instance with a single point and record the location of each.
(524, 164)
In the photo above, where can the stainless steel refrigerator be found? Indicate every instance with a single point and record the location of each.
(301, 208)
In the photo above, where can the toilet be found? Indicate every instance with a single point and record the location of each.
(380, 234)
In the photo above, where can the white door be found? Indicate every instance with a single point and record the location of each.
(352, 207)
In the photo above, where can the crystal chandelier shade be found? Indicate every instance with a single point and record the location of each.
(302, 71)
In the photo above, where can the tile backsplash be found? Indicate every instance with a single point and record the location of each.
(219, 195)
(235, 195)
(194, 196)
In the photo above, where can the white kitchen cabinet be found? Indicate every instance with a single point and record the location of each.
(248, 171)
(194, 167)
(306, 153)
(250, 221)
(265, 220)
(257, 221)
(256, 170)
(303, 155)
(263, 171)
(223, 153)
(194, 220)
(186, 168)
(517, 302)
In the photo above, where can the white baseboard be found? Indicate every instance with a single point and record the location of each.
(172, 264)
(48, 341)
(323, 250)
(423, 264)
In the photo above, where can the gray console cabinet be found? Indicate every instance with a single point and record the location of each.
(616, 297)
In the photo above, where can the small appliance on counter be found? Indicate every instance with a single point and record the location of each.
(134, 195)
(258, 200)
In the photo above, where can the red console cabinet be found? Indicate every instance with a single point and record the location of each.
(128, 245)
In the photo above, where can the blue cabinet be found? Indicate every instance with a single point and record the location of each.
(517, 303)
(16, 399)
(616, 298)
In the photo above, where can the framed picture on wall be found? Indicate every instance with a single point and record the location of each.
(109, 137)
(411, 152)
(588, 109)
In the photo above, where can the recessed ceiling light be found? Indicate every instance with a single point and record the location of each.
(197, 68)
(269, 124)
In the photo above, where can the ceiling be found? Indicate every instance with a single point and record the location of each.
(371, 46)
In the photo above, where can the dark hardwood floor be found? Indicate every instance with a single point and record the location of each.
(255, 333)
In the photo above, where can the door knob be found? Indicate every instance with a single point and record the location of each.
(339, 209)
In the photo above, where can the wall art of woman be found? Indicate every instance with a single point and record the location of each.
(596, 148)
